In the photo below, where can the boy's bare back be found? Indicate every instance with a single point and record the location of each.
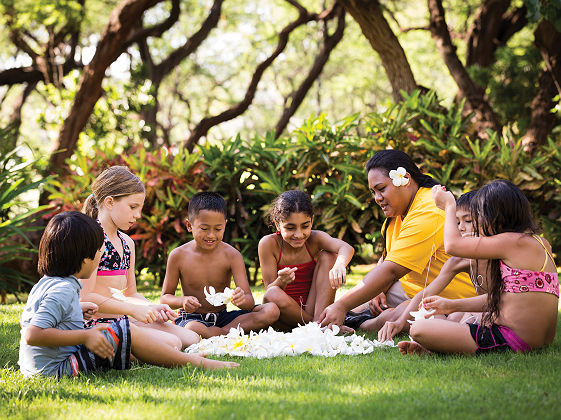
(197, 270)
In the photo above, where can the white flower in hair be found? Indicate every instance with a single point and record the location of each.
(218, 299)
(398, 176)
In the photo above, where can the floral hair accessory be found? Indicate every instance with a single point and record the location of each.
(398, 176)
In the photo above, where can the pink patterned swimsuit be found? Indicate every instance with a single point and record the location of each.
(515, 280)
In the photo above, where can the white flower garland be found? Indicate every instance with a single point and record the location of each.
(309, 338)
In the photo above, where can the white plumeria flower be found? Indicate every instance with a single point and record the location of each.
(118, 294)
(309, 338)
(421, 314)
(218, 299)
(398, 176)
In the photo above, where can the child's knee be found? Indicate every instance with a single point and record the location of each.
(271, 312)
(275, 295)
(419, 329)
(326, 258)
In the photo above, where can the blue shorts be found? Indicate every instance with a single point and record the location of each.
(84, 361)
(211, 319)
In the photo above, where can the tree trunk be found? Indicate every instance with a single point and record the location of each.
(374, 26)
(547, 40)
(485, 117)
(121, 22)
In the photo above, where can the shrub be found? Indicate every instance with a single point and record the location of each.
(326, 160)
(17, 223)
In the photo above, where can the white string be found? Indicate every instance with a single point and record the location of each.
(432, 252)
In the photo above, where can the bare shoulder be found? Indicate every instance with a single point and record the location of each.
(128, 240)
(268, 242)
(228, 251)
(182, 251)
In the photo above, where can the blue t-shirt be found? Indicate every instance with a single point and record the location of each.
(52, 303)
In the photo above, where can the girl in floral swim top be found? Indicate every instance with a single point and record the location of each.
(522, 302)
(116, 202)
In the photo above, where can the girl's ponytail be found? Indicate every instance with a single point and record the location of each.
(116, 182)
(90, 207)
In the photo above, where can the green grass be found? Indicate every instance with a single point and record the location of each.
(383, 384)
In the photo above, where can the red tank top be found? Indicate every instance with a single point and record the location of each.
(299, 289)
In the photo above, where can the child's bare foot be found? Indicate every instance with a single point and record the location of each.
(411, 347)
(210, 364)
(345, 329)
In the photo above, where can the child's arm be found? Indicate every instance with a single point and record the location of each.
(447, 306)
(188, 303)
(450, 269)
(338, 273)
(110, 305)
(92, 338)
(242, 296)
(268, 265)
(501, 246)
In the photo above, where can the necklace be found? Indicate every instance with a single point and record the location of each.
(477, 281)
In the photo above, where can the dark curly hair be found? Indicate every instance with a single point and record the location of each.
(292, 201)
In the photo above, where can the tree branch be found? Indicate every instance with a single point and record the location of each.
(485, 117)
(206, 123)
(122, 20)
(329, 44)
(155, 30)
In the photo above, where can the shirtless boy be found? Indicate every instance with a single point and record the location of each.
(207, 261)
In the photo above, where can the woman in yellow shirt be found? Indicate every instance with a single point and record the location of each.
(413, 240)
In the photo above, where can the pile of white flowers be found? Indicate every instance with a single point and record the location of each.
(309, 338)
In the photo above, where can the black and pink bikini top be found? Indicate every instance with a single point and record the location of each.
(111, 263)
(516, 280)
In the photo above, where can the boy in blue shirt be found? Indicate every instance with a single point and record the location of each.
(53, 338)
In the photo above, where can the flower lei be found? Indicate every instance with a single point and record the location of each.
(398, 176)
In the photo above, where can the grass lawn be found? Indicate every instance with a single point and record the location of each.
(383, 384)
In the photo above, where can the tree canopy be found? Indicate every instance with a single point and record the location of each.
(77, 72)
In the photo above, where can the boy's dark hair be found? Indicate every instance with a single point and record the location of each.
(292, 201)
(206, 200)
(69, 239)
(464, 201)
(499, 207)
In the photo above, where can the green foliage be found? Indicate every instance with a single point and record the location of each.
(326, 160)
(383, 384)
(16, 222)
(512, 81)
(548, 9)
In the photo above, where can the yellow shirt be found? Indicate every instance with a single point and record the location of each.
(411, 241)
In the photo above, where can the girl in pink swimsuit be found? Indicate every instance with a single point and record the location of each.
(522, 301)
(302, 268)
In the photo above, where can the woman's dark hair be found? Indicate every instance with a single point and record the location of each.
(69, 239)
(206, 200)
(292, 201)
(391, 159)
(499, 207)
